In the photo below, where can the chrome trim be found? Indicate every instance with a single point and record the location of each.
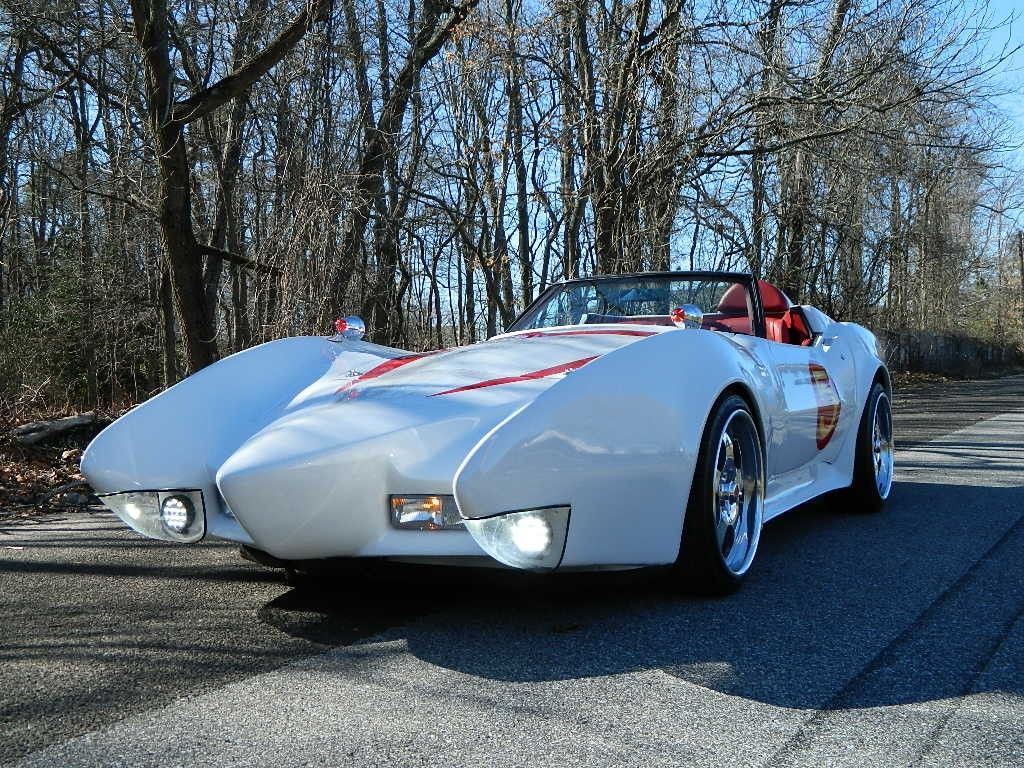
(738, 492)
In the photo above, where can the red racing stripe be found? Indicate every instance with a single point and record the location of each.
(379, 370)
(553, 370)
(595, 332)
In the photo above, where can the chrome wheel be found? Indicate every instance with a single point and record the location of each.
(881, 445)
(738, 492)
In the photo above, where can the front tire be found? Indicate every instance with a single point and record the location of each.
(725, 510)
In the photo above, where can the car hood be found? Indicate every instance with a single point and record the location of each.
(462, 391)
(499, 369)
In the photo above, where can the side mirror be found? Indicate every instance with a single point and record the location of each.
(350, 327)
(687, 316)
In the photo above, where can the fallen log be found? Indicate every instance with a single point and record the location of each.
(36, 432)
(62, 490)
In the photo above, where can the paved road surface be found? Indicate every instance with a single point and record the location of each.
(894, 639)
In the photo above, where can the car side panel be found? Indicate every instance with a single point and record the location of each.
(850, 354)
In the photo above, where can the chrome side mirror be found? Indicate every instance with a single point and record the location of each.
(350, 327)
(687, 316)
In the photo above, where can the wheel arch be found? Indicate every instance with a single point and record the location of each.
(883, 378)
(743, 390)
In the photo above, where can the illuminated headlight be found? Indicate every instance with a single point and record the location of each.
(533, 539)
(169, 515)
(425, 513)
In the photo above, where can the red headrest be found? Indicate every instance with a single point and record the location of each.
(772, 299)
(734, 300)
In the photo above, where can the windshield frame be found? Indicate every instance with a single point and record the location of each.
(743, 278)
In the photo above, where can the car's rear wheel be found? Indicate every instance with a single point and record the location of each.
(725, 511)
(873, 461)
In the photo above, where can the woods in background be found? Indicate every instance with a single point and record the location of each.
(182, 179)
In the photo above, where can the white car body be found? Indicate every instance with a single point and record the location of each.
(297, 444)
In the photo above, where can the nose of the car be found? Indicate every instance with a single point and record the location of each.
(292, 490)
(316, 482)
(102, 464)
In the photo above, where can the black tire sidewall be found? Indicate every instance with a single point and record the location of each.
(864, 490)
(700, 562)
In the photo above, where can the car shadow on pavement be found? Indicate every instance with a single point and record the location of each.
(843, 610)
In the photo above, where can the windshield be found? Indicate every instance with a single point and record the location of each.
(644, 300)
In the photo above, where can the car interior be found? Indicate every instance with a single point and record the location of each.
(639, 303)
(784, 322)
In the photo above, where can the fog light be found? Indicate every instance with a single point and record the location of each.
(168, 515)
(533, 539)
(425, 513)
(177, 513)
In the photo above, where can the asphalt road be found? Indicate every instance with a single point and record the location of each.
(887, 640)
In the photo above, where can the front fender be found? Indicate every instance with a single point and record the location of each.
(617, 440)
(179, 438)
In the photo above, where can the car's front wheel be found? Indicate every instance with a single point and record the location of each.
(725, 511)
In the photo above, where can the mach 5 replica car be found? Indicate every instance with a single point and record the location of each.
(622, 421)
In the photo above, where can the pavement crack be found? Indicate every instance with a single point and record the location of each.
(979, 669)
(980, 643)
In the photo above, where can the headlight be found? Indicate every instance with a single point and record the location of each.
(425, 513)
(168, 515)
(533, 539)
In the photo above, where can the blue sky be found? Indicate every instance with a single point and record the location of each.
(1010, 75)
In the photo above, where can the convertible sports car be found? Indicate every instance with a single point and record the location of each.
(622, 421)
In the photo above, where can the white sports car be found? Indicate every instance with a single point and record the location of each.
(617, 424)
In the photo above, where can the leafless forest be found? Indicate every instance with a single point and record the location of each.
(180, 179)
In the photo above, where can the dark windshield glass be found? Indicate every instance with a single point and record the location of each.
(644, 300)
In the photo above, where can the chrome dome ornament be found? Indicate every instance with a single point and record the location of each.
(687, 316)
(351, 327)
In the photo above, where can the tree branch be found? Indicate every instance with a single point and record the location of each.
(238, 82)
(234, 258)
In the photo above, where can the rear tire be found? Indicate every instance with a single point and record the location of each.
(725, 510)
(873, 457)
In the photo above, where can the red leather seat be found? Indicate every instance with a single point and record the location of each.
(733, 314)
(782, 324)
(772, 298)
(776, 306)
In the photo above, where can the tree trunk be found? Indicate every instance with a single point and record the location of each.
(514, 77)
(167, 120)
(169, 336)
(1020, 257)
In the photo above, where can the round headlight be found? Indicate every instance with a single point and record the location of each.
(531, 535)
(177, 513)
(533, 539)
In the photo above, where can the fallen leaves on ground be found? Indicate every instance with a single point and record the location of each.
(43, 478)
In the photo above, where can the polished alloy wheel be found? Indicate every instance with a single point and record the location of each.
(881, 445)
(738, 492)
